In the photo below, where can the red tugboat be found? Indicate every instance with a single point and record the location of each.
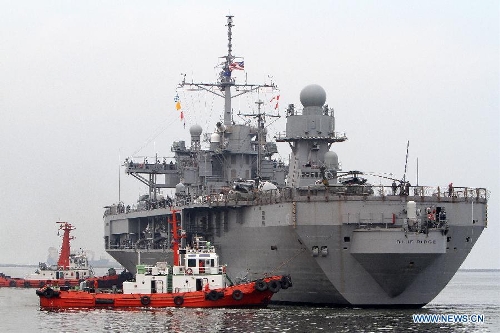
(195, 280)
(70, 270)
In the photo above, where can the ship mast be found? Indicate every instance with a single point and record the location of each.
(225, 77)
(176, 238)
(261, 132)
(225, 80)
(63, 261)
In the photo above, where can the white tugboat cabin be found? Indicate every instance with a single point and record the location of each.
(198, 270)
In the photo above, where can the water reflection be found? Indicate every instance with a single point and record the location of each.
(271, 319)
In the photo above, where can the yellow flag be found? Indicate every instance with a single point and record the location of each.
(178, 105)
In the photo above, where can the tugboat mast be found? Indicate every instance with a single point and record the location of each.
(63, 261)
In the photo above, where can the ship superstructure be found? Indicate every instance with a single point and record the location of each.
(345, 241)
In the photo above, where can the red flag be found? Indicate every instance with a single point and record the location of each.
(277, 102)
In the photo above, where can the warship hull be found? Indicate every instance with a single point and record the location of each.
(340, 250)
(344, 241)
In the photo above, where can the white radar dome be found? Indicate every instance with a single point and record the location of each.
(313, 95)
(215, 137)
(268, 186)
(180, 188)
(195, 130)
(331, 158)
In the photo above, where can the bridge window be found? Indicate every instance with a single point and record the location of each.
(191, 262)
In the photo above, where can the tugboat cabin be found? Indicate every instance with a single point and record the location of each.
(198, 270)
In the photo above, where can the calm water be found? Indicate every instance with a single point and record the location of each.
(470, 292)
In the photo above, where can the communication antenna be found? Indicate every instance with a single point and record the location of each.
(417, 171)
(406, 162)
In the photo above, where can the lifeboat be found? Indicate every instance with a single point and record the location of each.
(196, 279)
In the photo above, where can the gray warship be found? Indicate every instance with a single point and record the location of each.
(344, 241)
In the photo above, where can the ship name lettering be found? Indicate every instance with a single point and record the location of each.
(418, 241)
(426, 241)
(405, 241)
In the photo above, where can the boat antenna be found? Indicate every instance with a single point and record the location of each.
(406, 162)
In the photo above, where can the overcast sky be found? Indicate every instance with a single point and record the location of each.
(84, 84)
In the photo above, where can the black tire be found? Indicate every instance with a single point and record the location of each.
(260, 285)
(145, 300)
(49, 293)
(41, 284)
(237, 295)
(213, 295)
(67, 283)
(274, 286)
(178, 300)
(12, 283)
(285, 282)
(27, 284)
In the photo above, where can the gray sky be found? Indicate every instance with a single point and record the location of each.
(84, 84)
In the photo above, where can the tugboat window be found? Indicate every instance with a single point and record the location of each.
(191, 262)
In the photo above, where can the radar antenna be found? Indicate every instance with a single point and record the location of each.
(406, 162)
(226, 81)
(261, 133)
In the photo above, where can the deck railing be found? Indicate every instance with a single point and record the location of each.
(316, 193)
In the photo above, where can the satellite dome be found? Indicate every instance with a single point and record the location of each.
(313, 95)
(195, 130)
(215, 137)
(180, 188)
(268, 186)
(331, 159)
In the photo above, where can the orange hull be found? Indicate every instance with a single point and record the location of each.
(242, 295)
(103, 282)
(26, 283)
(7, 281)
